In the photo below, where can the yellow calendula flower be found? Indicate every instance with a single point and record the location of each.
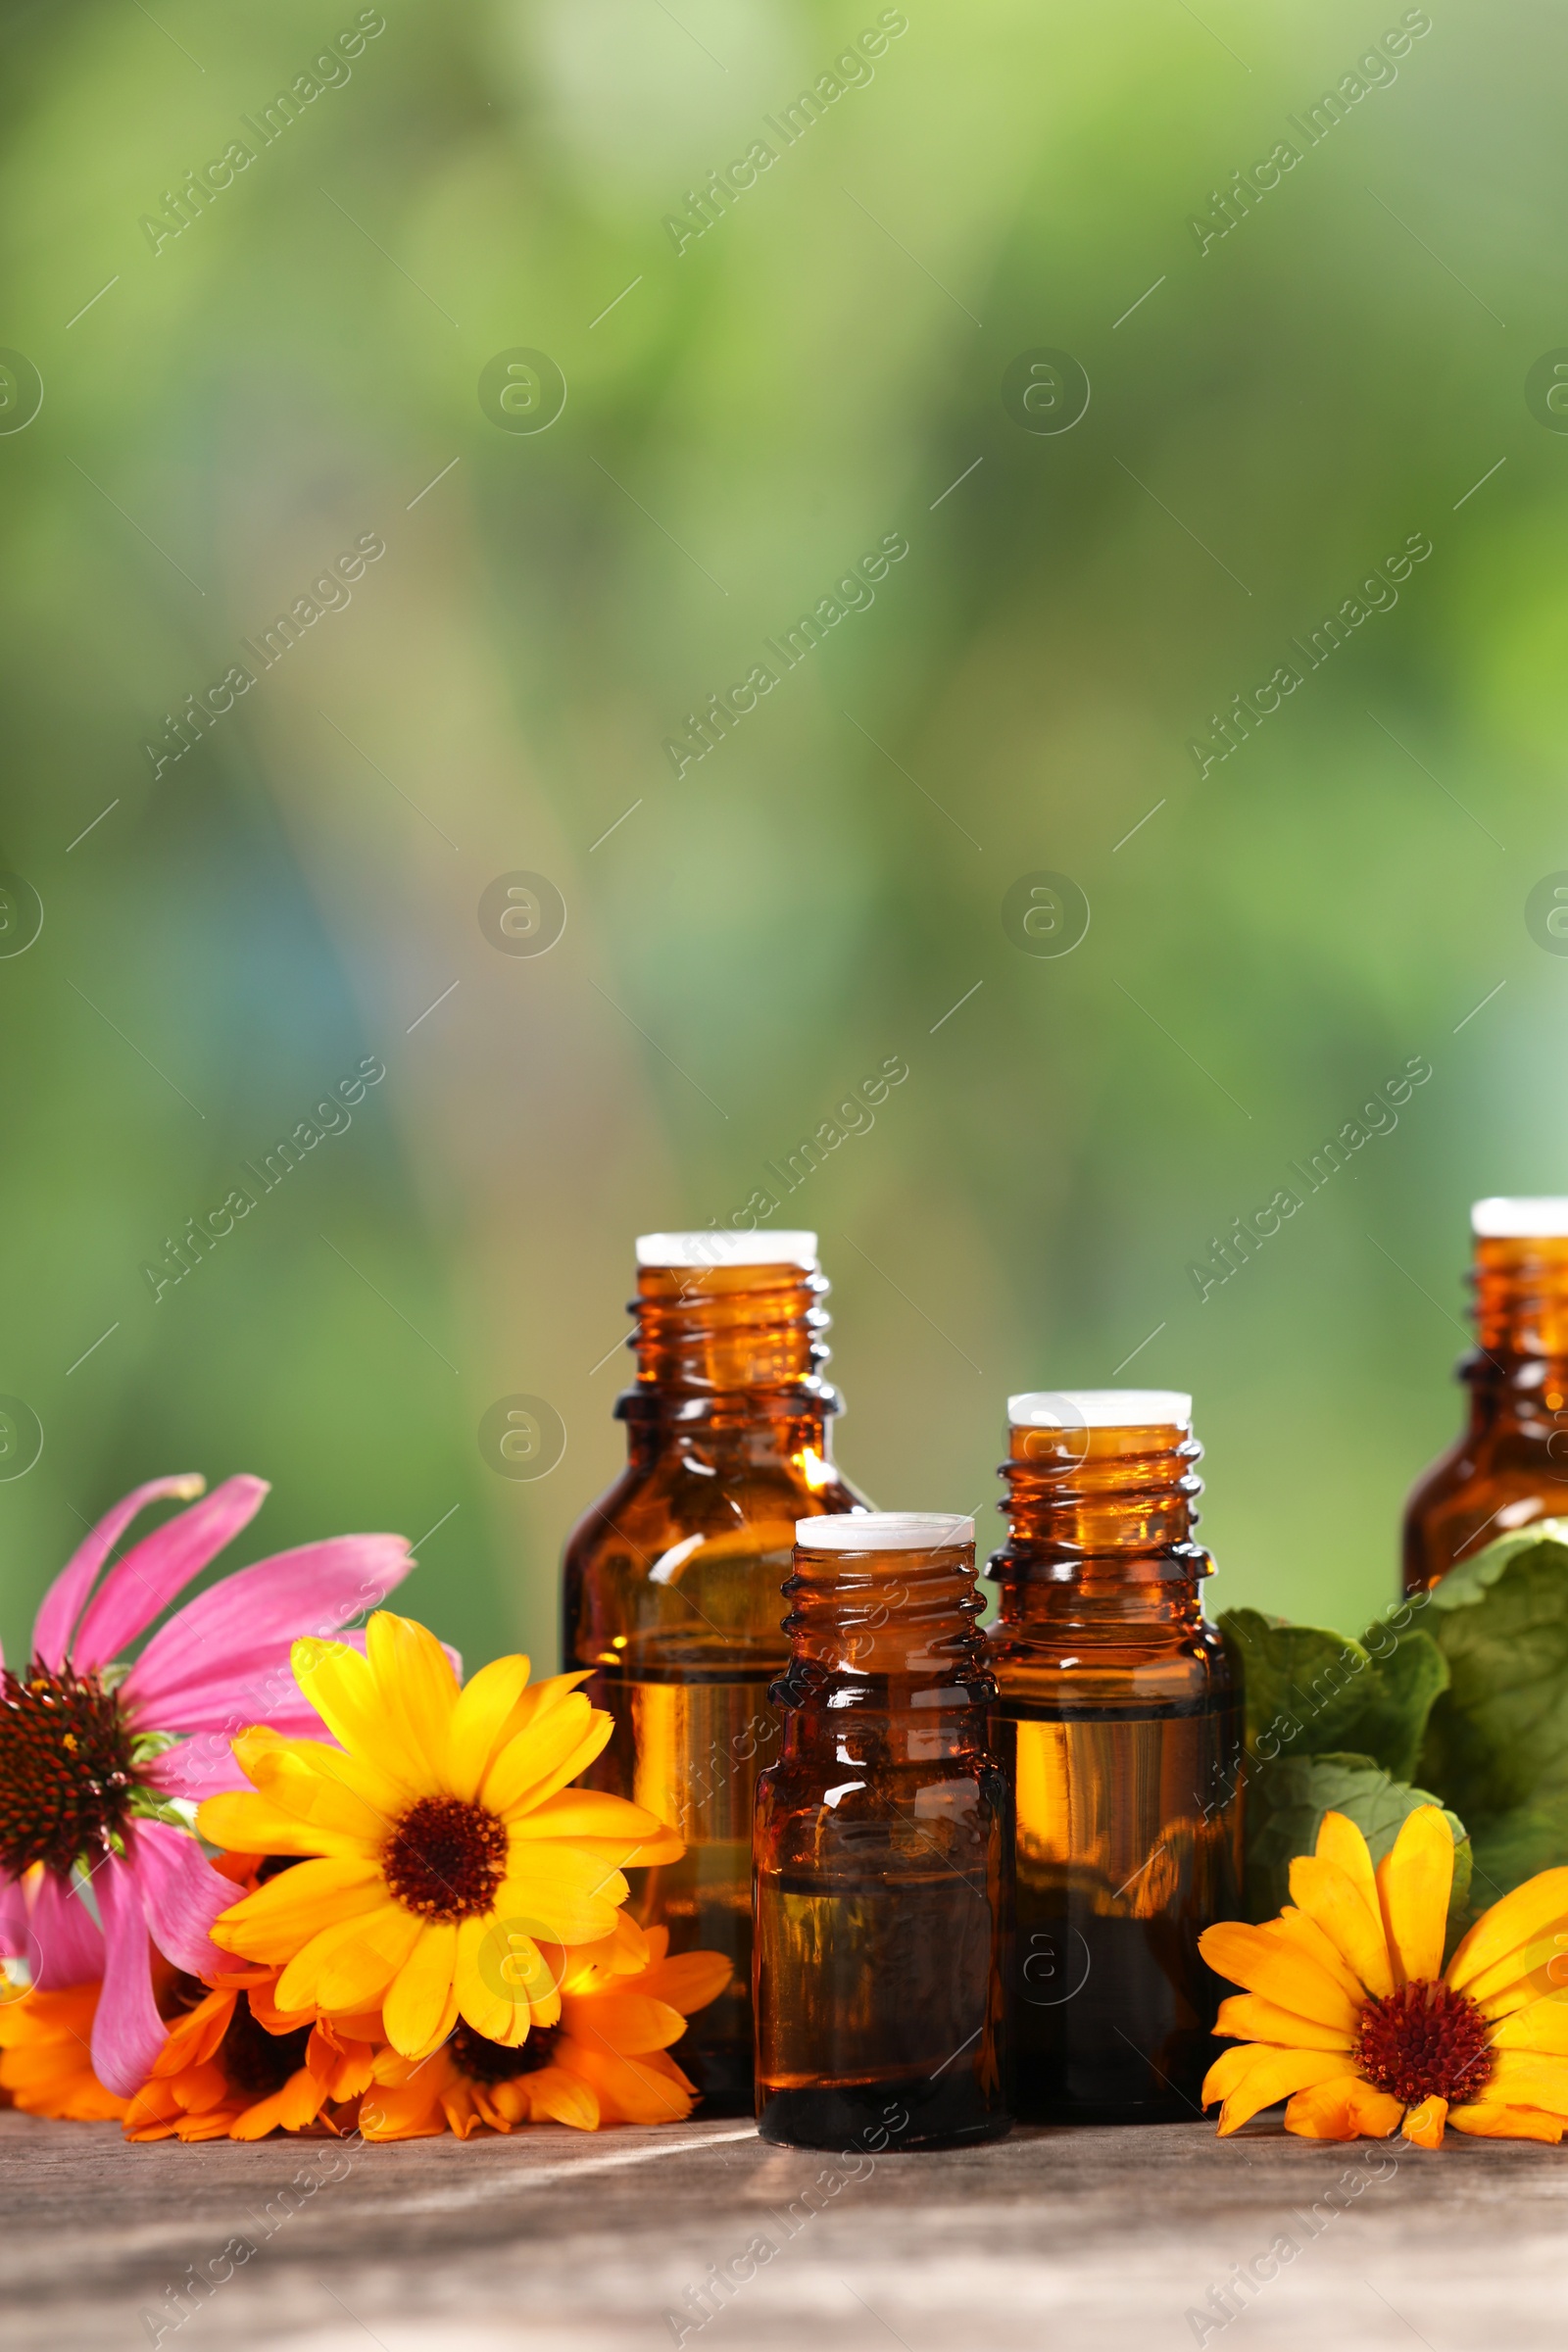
(623, 2003)
(1350, 2014)
(444, 1842)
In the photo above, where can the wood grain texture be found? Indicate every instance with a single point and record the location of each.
(1102, 2239)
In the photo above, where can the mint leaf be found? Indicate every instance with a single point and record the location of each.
(1497, 1743)
(1308, 1692)
(1286, 1801)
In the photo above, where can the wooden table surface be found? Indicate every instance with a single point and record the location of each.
(1103, 2239)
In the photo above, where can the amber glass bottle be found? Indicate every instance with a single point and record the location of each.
(1120, 1729)
(882, 1850)
(1509, 1466)
(672, 1581)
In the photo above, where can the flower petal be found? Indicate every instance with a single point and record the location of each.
(477, 1720)
(245, 1627)
(181, 1893)
(1345, 2109)
(291, 2109)
(1489, 2119)
(301, 1981)
(342, 1687)
(412, 2007)
(630, 2023)
(505, 1985)
(66, 1596)
(531, 1760)
(1423, 2125)
(1294, 1928)
(280, 1918)
(1541, 2026)
(1282, 1972)
(1256, 2019)
(63, 1943)
(559, 2097)
(418, 1687)
(144, 1582)
(1339, 1840)
(1415, 1882)
(1328, 1896)
(1521, 2079)
(365, 1963)
(692, 1979)
(1511, 1922)
(1281, 2073)
(127, 2032)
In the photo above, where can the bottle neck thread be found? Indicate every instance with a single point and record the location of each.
(883, 1631)
(1520, 1301)
(1103, 1511)
(729, 1343)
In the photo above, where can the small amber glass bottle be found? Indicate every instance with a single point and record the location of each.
(1119, 1727)
(672, 1582)
(882, 1850)
(1509, 1466)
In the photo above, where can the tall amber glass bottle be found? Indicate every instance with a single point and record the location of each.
(1509, 1466)
(882, 1850)
(1121, 1729)
(672, 1581)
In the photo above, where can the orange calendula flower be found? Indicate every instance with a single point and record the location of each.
(445, 1843)
(1351, 2016)
(46, 2058)
(237, 2066)
(623, 2003)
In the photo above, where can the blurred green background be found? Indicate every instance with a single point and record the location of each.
(225, 939)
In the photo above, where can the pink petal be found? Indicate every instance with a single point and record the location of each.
(182, 1895)
(242, 1631)
(144, 1582)
(13, 1920)
(66, 1598)
(65, 1942)
(127, 2032)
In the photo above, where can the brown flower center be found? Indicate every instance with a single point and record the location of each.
(256, 2062)
(446, 1858)
(483, 2061)
(1424, 2042)
(65, 1768)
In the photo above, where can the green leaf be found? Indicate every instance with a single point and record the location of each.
(1308, 1692)
(1497, 1741)
(1286, 1799)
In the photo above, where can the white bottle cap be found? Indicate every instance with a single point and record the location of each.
(883, 1531)
(1101, 1408)
(1500, 1220)
(712, 1248)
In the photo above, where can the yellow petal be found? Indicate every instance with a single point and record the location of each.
(1524, 1975)
(412, 2007)
(244, 1823)
(627, 2021)
(1232, 2067)
(1304, 1935)
(528, 1762)
(504, 1986)
(1522, 2078)
(271, 1762)
(559, 2097)
(1328, 1896)
(365, 1964)
(486, 1703)
(1486, 2118)
(1256, 2020)
(1283, 2072)
(1345, 2109)
(302, 1780)
(297, 1987)
(1539, 1903)
(1281, 1971)
(1415, 1882)
(624, 1835)
(1541, 2026)
(280, 1917)
(1339, 1840)
(342, 1687)
(689, 1982)
(418, 1688)
(1423, 2125)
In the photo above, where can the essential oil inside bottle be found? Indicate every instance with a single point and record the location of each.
(1510, 1465)
(672, 1582)
(882, 1850)
(1121, 1730)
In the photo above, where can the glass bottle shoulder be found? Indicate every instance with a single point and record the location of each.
(1125, 1669)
